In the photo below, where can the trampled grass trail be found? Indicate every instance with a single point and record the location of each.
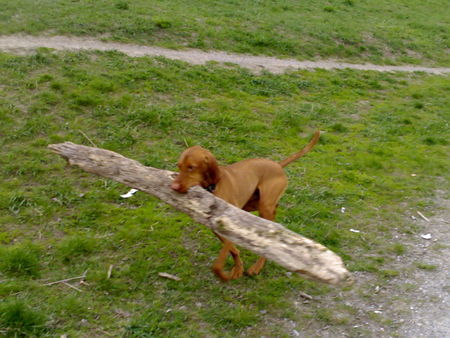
(18, 43)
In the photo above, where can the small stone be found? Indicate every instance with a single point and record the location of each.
(427, 236)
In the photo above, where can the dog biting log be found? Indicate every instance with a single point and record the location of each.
(269, 239)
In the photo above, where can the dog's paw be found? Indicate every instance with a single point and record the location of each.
(256, 268)
(252, 271)
(237, 272)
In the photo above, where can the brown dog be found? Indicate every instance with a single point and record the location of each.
(254, 184)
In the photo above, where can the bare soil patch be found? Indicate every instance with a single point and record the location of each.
(416, 303)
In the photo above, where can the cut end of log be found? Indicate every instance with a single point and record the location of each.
(56, 148)
(309, 259)
(342, 278)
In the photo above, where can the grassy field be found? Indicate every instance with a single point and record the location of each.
(383, 31)
(57, 222)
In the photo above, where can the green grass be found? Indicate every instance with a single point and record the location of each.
(397, 249)
(382, 32)
(425, 266)
(18, 320)
(57, 222)
(20, 260)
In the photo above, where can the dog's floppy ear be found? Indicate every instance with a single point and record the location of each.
(212, 170)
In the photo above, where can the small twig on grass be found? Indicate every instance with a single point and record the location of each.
(305, 295)
(73, 287)
(108, 275)
(83, 276)
(105, 333)
(169, 276)
(186, 142)
(308, 324)
(87, 137)
(421, 215)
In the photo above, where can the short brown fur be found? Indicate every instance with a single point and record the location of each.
(252, 185)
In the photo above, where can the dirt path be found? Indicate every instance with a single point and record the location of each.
(430, 310)
(414, 304)
(20, 43)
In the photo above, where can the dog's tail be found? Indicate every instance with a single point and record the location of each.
(302, 152)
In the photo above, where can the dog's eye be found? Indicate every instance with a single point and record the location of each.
(190, 168)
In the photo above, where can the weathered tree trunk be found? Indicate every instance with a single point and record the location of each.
(268, 239)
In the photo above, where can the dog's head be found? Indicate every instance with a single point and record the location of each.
(197, 166)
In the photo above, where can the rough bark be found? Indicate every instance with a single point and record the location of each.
(269, 239)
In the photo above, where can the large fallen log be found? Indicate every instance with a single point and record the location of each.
(271, 240)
